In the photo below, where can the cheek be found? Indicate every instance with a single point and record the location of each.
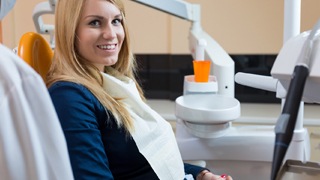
(82, 46)
(78, 44)
(86, 35)
(84, 40)
(121, 37)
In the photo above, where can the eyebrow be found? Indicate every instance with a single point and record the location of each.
(101, 17)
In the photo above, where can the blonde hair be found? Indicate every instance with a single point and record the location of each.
(68, 65)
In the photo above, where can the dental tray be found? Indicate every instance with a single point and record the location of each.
(297, 170)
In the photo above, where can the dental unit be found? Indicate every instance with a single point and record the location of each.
(206, 110)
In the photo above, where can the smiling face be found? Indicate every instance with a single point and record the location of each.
(100, 33)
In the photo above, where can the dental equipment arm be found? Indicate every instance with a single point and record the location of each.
(287, 120)
(223, 66)
(40, 10)
(177, 8)
(253, 80)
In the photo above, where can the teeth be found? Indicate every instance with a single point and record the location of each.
(107, 47)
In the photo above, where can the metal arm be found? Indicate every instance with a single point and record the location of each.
(177, 8)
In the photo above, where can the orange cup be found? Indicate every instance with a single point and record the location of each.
(201, 70)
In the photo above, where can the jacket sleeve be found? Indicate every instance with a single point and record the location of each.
(75, 108)
(193, 169)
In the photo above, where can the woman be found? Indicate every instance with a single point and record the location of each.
(111, 133)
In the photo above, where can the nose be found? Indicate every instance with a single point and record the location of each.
(109, 32)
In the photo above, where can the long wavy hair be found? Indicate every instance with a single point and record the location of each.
(68, 65)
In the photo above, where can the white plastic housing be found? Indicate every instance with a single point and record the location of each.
(245, 152)
(191, 87)
(207, 108)
(222, 66)
(286, 61)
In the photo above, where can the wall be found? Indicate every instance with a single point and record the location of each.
(241, 27)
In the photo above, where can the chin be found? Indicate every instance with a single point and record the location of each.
(111, 62)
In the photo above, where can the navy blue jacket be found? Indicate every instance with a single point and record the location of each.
(98, 149)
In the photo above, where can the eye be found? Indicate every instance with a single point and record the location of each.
(95, 23)
(117, 21)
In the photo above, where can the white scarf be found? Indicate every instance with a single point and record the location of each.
(153, 135)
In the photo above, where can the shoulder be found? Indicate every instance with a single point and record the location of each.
(70, 90)
(65, 85)
(73, 93)
(74, 101)
(69, 93)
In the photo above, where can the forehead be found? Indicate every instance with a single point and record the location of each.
(100, 7)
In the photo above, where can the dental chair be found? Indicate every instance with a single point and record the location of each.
(36, 52)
